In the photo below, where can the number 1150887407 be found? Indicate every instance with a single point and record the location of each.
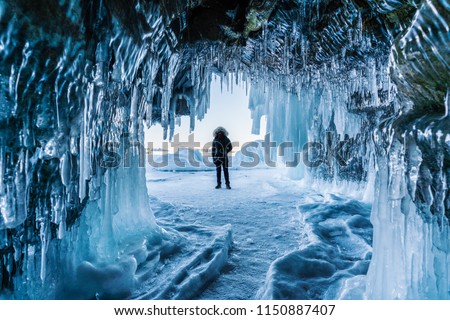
(298, 309)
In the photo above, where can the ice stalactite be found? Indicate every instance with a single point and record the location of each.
(411, 208)
(324, 95)
(410, 259)
(326, 113)
(77, 96)
(404, 101)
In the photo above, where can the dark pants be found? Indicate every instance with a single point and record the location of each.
(222, 163)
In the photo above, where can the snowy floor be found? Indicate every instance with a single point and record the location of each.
(228, 240)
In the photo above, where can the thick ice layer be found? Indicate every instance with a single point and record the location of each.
(335, 246)
(258, 198)
(76, 116)
(410, 259)
(411, 208)
(190, 255)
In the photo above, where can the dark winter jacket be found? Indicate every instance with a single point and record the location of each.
(220, 146)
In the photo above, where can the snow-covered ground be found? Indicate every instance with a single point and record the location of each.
(268, 237)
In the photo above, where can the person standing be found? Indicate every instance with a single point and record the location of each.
(221, 146)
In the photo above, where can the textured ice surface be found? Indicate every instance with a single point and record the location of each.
(335, 246)
(275, 224)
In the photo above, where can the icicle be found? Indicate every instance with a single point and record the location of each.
(231, 82)
(20, 186)
(359, 27)
(44, 234)
(85, 145)
(134, 112)
(64, 168)
(12, 82)
(2, 166)
(447, 103)
(26, 53)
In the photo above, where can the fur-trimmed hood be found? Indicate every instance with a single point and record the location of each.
(218, 129)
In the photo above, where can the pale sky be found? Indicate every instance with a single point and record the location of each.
(229, 110)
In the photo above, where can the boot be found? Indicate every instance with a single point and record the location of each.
(228, 186)
(218, 186)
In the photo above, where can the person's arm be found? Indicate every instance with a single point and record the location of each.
(214, 148)
(229, 146)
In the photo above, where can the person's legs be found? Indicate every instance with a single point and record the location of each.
(218, 173)
(225, 172)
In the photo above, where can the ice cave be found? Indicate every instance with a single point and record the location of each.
(363, 84)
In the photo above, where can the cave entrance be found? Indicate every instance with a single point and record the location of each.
(244, 242)
(228, 108)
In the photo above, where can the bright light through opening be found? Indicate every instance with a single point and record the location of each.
(227, 109)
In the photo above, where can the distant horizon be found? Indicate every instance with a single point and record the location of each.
(169, 145)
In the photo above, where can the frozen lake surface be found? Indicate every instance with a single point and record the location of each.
(267, 237)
